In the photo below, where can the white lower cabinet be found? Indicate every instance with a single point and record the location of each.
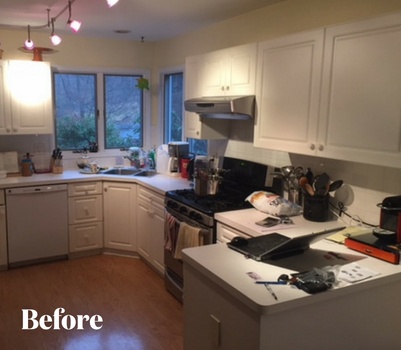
(150, 227)
(119, 200)
(85, 216)
(226, 233)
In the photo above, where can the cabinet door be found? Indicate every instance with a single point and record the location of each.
(144, 229)
(192, 75)
(86, 237)
(288, 92)
(229, 72)
(157, 238)
(195, 127)
(3, 236)
(241, 70)
(5, 117)
(119, 215)
(361, 91)
(213, 73)
(29, 86)
(85, 209)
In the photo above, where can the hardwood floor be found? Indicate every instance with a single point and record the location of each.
(138, 313)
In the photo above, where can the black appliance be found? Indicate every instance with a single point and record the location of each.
(240, 180)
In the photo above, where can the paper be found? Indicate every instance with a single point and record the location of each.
(9, 162)
(340, 236)
(354, 273)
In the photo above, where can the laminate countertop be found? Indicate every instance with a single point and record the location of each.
(159, 183)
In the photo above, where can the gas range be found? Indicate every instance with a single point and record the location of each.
(202, 208)
(243, 178)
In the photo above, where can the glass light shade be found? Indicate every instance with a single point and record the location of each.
(29, 45)
(55, 39)
(111, 3)
(75, 25)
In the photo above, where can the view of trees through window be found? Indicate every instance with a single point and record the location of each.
(123, 111)
(76, 110)
(76, 105)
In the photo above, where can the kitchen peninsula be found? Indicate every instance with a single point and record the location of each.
(225, 309)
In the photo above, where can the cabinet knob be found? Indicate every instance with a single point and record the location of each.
(321, 148)
(15, 129)
(197, 133)
(105, 189)
(227, 88)
(312, 146)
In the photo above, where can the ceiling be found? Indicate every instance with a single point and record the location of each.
(153, 20)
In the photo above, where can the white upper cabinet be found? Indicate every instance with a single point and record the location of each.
(27, 94)
(361, 92)
(288, 87)
(346, 106)
(229, 72)
(195, 127)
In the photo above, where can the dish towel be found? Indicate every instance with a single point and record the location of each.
(188, 236)
(170, 232)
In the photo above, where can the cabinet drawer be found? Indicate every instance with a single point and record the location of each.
(150, 196)
(85, 209)
(85, 188)
(226, 233)
(86, 236)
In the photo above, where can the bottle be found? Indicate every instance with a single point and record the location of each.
(26, 166)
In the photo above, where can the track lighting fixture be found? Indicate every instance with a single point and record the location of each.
(111, 3)
(74, 24)
(54, 38)
(29, 44)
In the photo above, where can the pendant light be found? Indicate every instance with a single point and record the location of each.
(74, 24)
(29, 44)
(54, 38)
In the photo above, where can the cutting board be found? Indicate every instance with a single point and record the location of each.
(9, 162)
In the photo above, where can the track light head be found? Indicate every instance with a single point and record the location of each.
(73, 24)
(29, 44)
(111, 3)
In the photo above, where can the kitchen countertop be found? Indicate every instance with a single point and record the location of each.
(244, 221)
(159, 183)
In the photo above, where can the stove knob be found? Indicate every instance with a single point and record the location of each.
(183, 210)
(172, 204)
(194, 215)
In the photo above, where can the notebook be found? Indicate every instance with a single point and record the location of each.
(275, 245)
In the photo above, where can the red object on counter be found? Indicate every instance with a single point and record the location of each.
(184, 167)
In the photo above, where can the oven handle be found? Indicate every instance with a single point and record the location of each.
(189, 222)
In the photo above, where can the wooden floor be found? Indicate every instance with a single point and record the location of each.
(138, 313)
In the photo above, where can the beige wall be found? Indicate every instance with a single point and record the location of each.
(371, 184)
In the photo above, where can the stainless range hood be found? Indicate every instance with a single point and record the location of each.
(223, 107)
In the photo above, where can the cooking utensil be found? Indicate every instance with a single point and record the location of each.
(304, 183)
(335, 185)
(322, 184)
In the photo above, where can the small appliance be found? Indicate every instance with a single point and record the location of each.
(176, 151)
(390, 216)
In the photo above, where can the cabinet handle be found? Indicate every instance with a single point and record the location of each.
(227, 88)
(321, 148)
(15, 129)
(197, 133)
(105, 189)
(222, 88)
(312, 146)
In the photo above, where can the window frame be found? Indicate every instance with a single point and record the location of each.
(100, 72)
(163, 73)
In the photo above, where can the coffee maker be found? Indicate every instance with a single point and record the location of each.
(176, 151)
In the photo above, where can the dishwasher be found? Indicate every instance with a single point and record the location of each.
(37, 224)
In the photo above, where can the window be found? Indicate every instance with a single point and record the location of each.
(106, 109)
(173, 112)
(123, 111)
(76, 110)
(173, 106)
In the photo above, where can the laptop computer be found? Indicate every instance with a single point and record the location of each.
(275, 245)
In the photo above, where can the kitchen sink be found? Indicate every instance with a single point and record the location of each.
(130, 171)
(147, 173)
(121, 171)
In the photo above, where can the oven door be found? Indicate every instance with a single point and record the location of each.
(174, 271)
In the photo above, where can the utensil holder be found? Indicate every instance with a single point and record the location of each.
(316, 208)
